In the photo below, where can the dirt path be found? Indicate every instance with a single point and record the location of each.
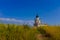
(42, 37)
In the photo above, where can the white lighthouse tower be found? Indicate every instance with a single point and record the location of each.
(37, 21)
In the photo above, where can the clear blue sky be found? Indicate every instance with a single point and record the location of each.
(48, 10)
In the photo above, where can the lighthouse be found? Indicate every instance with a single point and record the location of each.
(37, 21)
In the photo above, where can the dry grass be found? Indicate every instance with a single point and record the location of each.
(25, 32)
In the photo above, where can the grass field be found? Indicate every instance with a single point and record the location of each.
(25, 32)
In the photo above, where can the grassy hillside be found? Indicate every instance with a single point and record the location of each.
(25, 32)
(54, 31)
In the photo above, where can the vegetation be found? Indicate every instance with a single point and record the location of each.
(25, 32)
(54, 31)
